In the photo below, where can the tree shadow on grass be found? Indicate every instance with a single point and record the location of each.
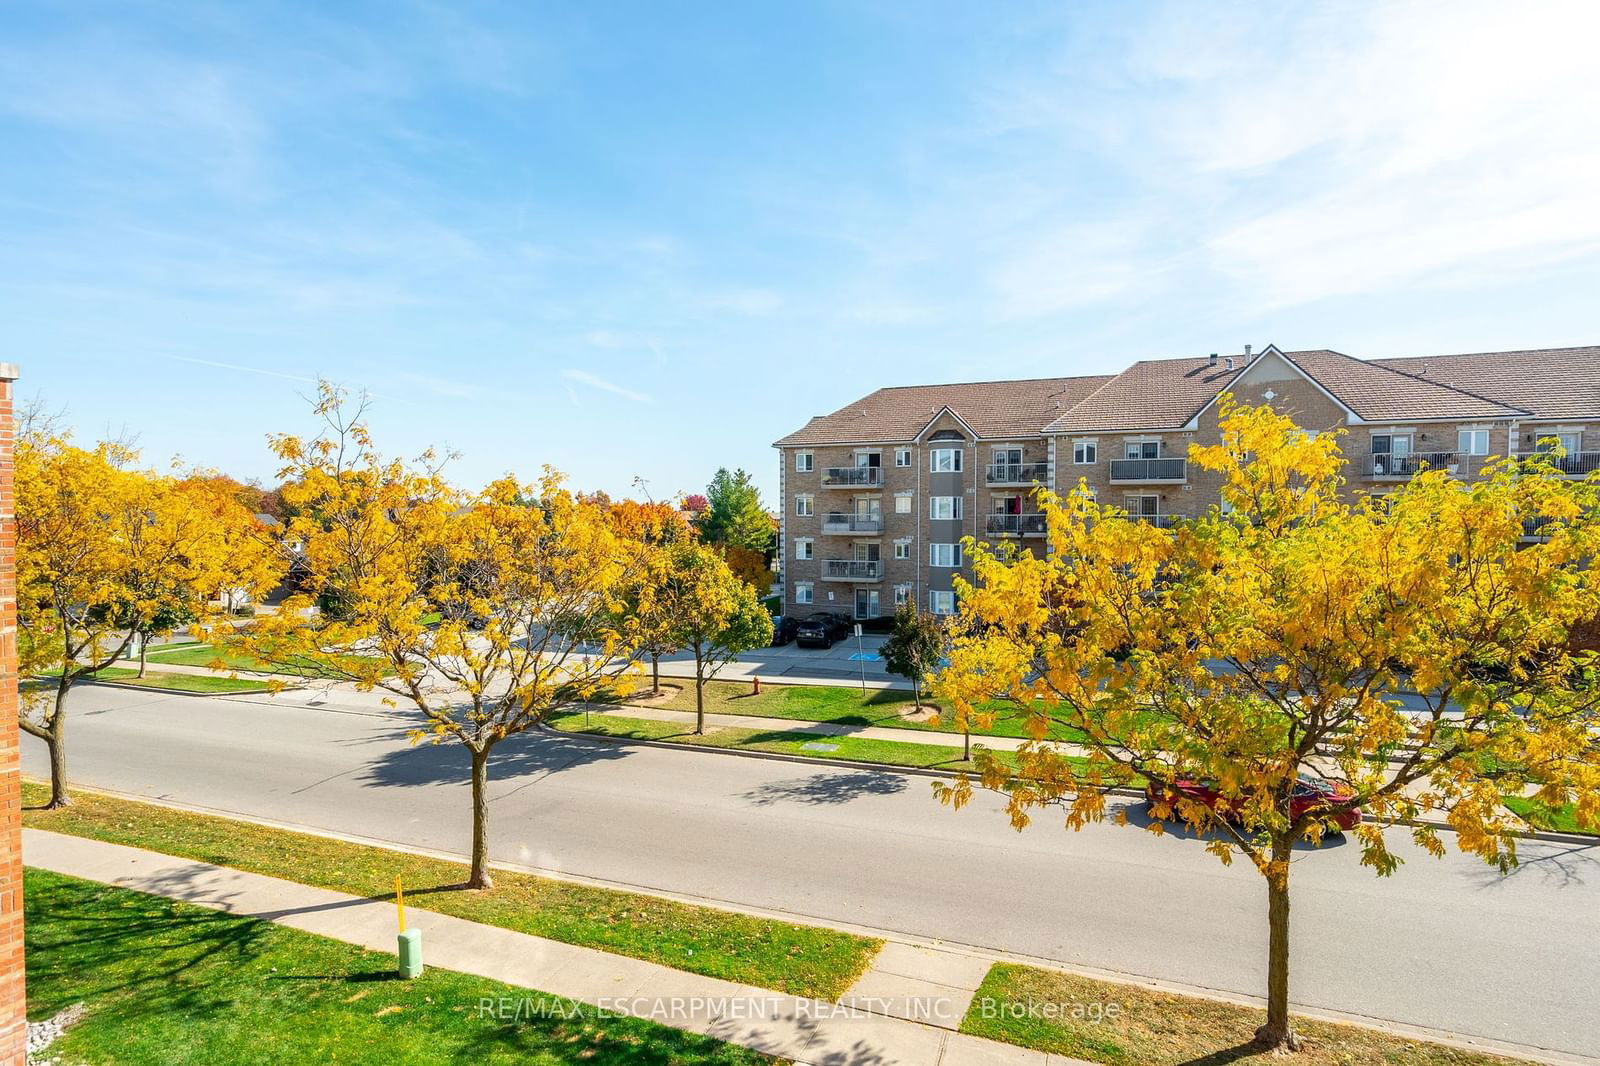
(87, 943)
(1221, 1058)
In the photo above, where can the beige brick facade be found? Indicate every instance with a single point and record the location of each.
(882, 511)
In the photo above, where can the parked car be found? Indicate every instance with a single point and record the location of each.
(783, 629)
(1310, 792)
(821, 629)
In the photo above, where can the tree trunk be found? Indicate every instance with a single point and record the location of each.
(699, 695)
(916, 694)
(58, 771)
(1278, 1033)
(479, 878)
(144, 645)
(966, 746)
(655, 674)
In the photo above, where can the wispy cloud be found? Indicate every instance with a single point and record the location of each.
(240, 368)
(583, 377)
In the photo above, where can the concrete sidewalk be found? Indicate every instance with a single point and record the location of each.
(821, 729)
(861, 1028)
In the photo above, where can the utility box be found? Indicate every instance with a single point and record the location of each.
(411, 953)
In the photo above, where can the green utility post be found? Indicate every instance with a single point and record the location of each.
(410, 940)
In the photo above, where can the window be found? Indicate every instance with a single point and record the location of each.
(902, 457)
(804, 506)
(944, 555)
(1569, 442)
(1396, 444)
(802, 592)
(1141, 449)
(1472, 442)
(902, 549)
(804, 462)
(1142, 505)
(942, 602)
(902, 503)
(802, 548)
(1085, 452)
(902, 595)
(944, 460)
(944, 508)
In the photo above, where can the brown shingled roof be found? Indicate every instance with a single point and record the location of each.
(1150, 394)
(1382, 394)
(994, 409)
(1549, 382)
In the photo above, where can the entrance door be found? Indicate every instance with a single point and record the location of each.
(866, 603)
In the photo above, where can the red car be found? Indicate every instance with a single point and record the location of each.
(1309, 794)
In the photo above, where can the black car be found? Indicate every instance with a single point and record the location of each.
(820, 630)
(783, 629)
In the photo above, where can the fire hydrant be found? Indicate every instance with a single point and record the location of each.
(756, 686)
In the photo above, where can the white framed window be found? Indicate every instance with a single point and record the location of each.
(902, 548)
(1472, 441)
(902, 595)
(805, 506)
(902, 457)
(902, 503)
(803, 548)
(804, 462)
(942, 602)
(1085, 452)
(944, 460)
(1141, 449)
(943, 508)
(803, 592)
(947, 555)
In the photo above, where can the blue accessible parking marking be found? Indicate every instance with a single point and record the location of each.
(864, 657)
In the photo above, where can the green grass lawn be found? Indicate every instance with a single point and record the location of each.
(211, 654)
(1562, 819)
(888, 752)
(177, 682)
(166, 982)
(1128, 1025)
(802, 960)
(837, 704)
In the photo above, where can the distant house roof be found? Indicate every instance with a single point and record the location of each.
(994, 410)
(1157, 394)
(1547, 382)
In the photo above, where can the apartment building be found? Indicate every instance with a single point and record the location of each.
(878, 495)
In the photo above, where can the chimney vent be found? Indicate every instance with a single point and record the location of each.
(1213, 359)
(1228, 363)
(1247, 353)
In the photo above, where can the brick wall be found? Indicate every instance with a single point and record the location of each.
(13, 1002)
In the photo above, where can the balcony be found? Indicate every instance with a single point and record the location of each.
(1149, 471)
(1017, 473)
(853, 477)
(1577, 464)
(1014, 525)
(852, 569)
(1393, 467)
(1160, 521)
(843, 522)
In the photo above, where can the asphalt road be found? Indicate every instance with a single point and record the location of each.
(1447, 944)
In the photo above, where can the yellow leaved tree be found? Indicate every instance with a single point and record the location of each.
(107, 553)
(488, 612)
(1300, 654)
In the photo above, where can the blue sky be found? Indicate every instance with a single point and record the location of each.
(648, 239)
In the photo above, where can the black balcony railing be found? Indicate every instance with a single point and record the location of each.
(844, 522)
(1016, 473)
(852, 476)
(1148, 470)
(1389, 465)
(1160, 521)
(852, 569)
(1577, 464)
(1014, 524)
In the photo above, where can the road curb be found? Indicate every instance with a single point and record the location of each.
(917, 771)
(169, 691)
